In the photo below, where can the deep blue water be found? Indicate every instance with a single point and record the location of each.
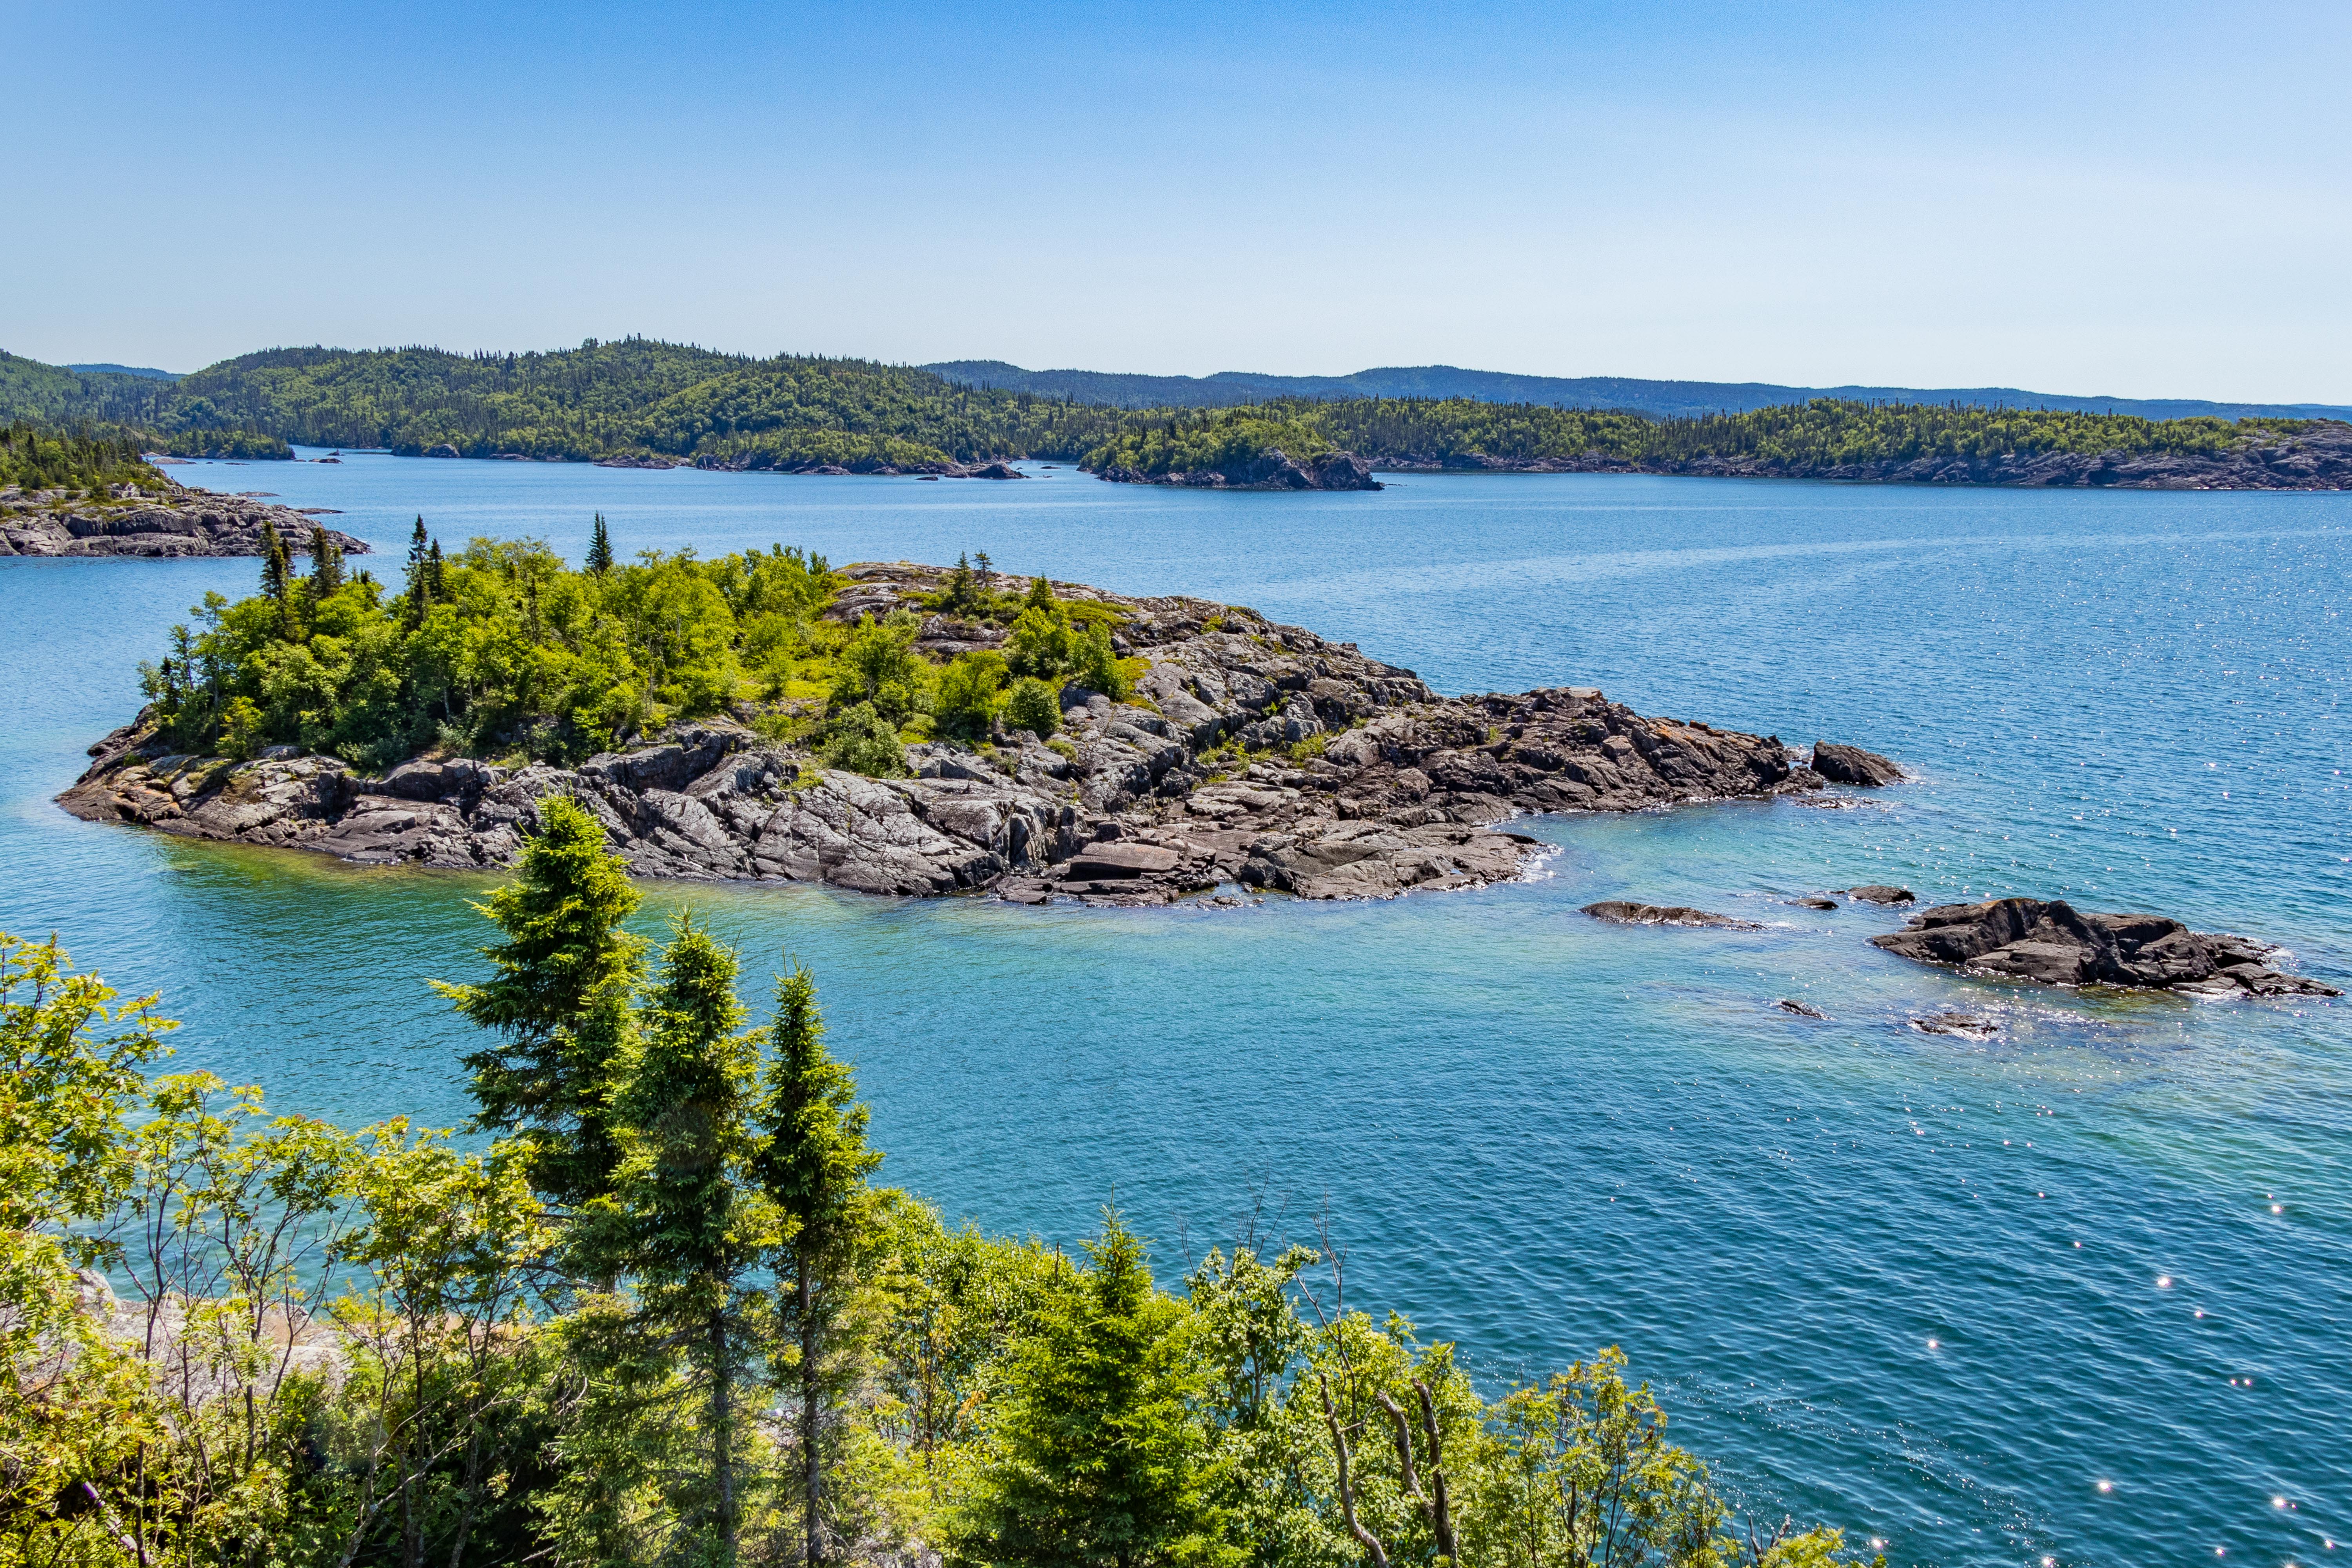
(1906, 1284)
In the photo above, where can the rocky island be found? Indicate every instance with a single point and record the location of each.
(1246, 753)
(153, 521)
(2053, 944)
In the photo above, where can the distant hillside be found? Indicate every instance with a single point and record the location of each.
(148, 372)
(1660, 399)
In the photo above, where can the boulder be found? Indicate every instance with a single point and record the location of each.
(1968, 1025)
(1882, 893)
(1852, 765)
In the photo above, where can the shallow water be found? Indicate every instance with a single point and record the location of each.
(1536, 1134)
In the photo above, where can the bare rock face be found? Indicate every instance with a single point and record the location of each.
(2055, 944)
(181, 522)
(1251, 753)
(1852, 765)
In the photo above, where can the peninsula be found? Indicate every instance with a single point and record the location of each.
(85, 494)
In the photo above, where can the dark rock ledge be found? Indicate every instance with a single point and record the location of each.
(1406, 792)
(2055, 944)
(177, 522)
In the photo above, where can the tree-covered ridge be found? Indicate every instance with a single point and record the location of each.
(668, 1317)
(502, 650)
(108, 404)
(84, 461)
(1802, 437)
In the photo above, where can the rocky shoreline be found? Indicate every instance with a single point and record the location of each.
(179, 521)
(1272, 470)
(2319, 458)
(1252, 753)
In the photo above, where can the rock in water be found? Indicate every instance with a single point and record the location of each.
(1814, 903)
(1252, 753)
(1968, 1025)
(1852, 765)
(1803, 1010)
(1880, 893)
(1618, 913)
(2055, 944)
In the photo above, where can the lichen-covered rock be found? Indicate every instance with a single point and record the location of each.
(1251, 752)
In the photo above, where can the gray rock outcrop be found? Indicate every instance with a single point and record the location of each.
(2053, 944)
(176, 523)
(1251, 752)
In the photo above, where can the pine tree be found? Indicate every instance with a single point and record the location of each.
(560, 1003)
(434, 579)
(1098, 1458)
(813, 1168)
(685, 1219)
(599, 548)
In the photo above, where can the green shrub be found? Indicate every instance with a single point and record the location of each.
(879, 666)
(241, 727)
(860, 740)
(1097, 665)
(970, 690)
(1034, 706)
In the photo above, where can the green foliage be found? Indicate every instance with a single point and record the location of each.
(558, 1003)
(1225, 440)
(600, 547)
(497, 648)
(878, 666)
(813, 1165)
(969, 694)
(860, 740)
(1094, 1454)
(84, 460)
(1034, 706)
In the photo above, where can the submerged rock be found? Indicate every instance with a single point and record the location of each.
(1968, 1025)
(1852, 765)
(1251, 752)
(1618, 913)
(1814, 903)
(1801, 1009)
(2053, 944)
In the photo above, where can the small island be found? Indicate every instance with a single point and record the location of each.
(98, 495)
(889, 728)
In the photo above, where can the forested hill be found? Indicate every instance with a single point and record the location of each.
(637, 400)
(1660, 399)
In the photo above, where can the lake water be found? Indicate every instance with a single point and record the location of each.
(1903, 1283)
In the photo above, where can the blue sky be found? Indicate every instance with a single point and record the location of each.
(2146, 200)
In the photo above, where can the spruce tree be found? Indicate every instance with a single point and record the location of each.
(560, 1003)
(326, 564)
(415, 589)
(814, 1167)
(273, 563)
(1098, 1458)
(434, 579)
(599, 548)
(684, 1219)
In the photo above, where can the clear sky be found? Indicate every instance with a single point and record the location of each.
(2151, 199)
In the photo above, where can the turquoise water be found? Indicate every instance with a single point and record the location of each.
(1535, 1134)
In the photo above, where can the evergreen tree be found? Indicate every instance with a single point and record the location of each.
(273, 563)
(685, 1218)
(599, 548)
(1097, 1458)
(415, 589)
(814, 1167)
(435, 581)
(326, 564)
(560, 1003)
